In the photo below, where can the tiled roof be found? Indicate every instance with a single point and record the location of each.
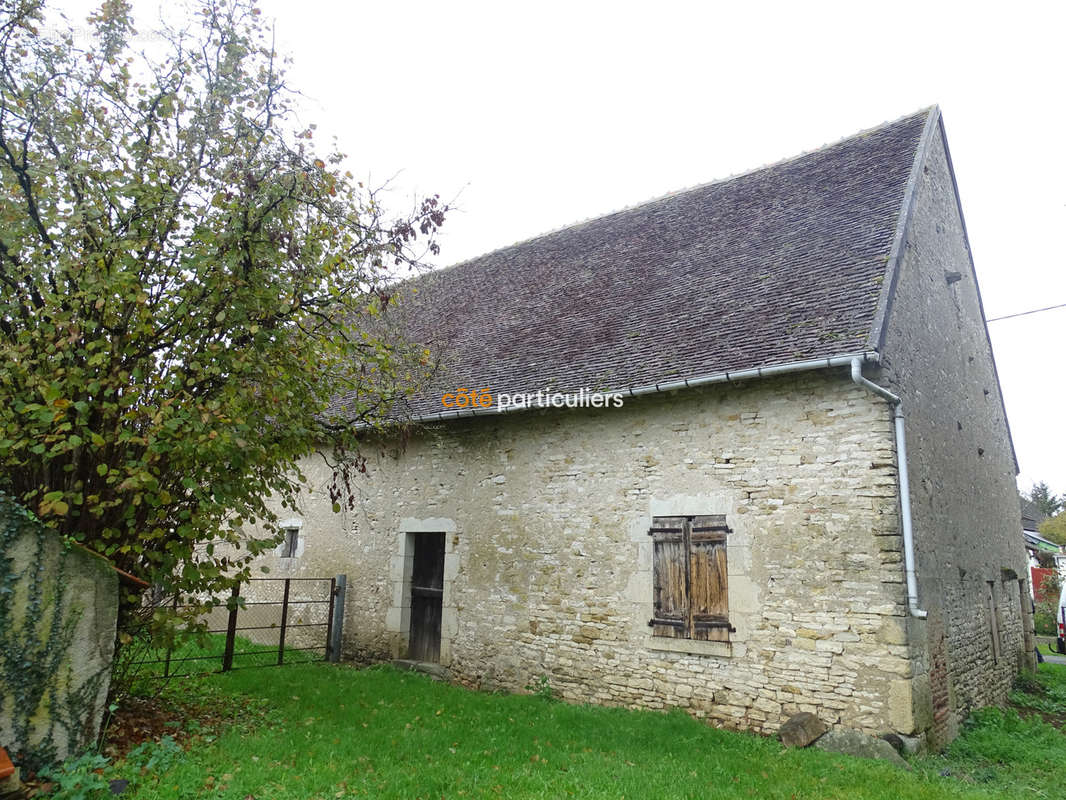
(1032, 516)
(782, 264)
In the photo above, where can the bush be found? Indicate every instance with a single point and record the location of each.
(80, 778)
(92, 776)
(1044, 622)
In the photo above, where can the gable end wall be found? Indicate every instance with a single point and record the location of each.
(970, 555)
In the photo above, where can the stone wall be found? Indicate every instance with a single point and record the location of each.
(548, 558)
(58, 609)
(970, 553)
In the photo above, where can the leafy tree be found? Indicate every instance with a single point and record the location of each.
(1054, 529)
(1042, 496)
(185, 286)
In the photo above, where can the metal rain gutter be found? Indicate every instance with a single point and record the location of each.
(904, 484)
(702, 380)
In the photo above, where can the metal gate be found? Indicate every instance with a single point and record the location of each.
(267, 622)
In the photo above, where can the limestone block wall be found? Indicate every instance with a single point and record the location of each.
(58, 609)
(971, 559)
(548, 560)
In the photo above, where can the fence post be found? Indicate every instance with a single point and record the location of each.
(170, 647)
(336, 618)
(284, 618)
(231, 631)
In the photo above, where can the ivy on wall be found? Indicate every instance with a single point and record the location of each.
(47, 711)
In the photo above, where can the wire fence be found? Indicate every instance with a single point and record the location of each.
(265, 622)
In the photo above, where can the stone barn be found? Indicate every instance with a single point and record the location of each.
(768, 470)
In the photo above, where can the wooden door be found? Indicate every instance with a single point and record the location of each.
(427, 596)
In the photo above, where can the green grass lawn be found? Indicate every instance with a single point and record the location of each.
(325, 731)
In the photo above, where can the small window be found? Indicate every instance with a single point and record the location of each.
(690, 580)
(288, 545)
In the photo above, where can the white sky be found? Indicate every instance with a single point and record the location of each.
(537, 115)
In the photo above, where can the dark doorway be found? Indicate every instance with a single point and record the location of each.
(427, 596)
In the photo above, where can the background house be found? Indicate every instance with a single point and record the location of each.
(1045, 557)
(730, 540)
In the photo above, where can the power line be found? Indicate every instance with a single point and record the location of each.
(1025, 313)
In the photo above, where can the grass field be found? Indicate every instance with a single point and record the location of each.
(325, 731)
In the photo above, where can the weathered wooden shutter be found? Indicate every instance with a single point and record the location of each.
(690, 578)
(670, 577)
(708, 578)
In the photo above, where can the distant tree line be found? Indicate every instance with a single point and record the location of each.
(1051, 506)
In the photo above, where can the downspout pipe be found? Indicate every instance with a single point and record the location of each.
(904, 484)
